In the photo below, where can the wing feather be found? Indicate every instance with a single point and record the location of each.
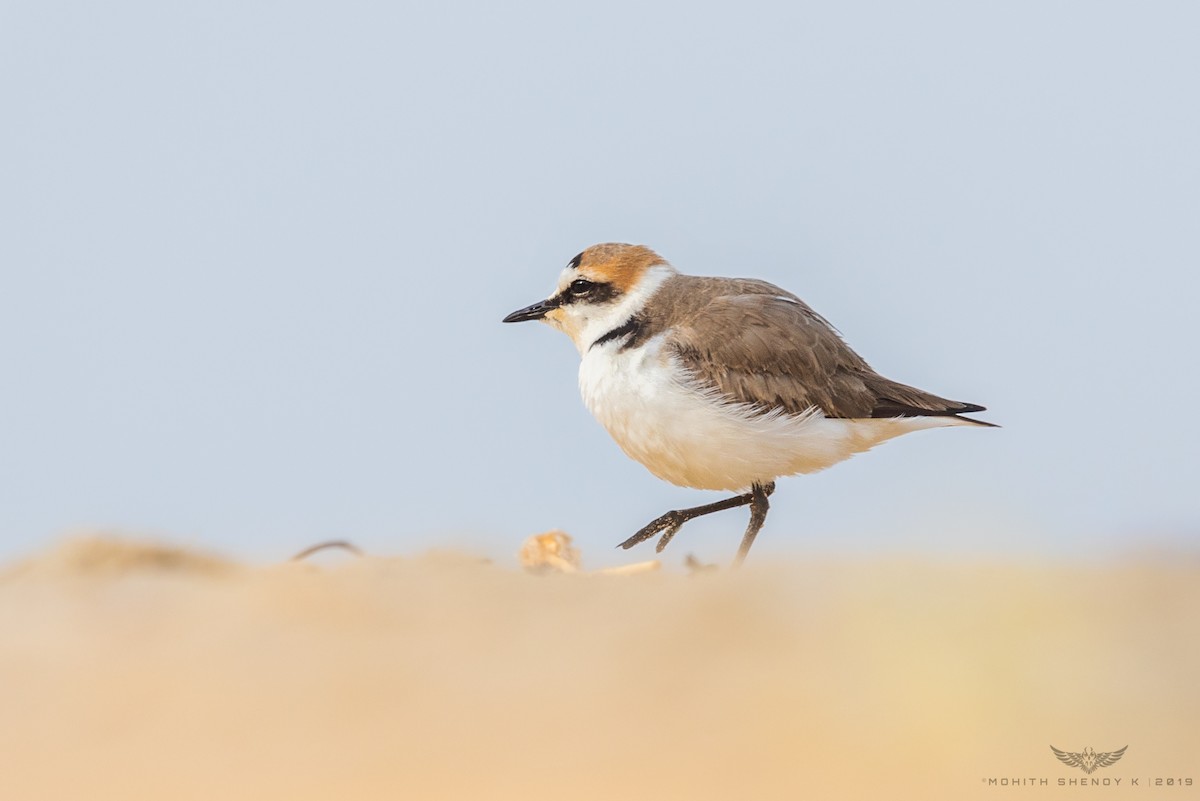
(774, 353)
(1108, 758)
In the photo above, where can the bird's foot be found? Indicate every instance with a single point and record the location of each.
(667, 524)
(666, 538)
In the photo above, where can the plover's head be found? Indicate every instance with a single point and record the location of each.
(598, 290)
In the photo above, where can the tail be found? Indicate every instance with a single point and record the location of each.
(983, 423)
(900, 400)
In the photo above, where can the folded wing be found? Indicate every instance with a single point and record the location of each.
(771, 351)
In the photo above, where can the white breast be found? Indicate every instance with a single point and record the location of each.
(690, 437)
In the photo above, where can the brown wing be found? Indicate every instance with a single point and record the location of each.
(772, 351)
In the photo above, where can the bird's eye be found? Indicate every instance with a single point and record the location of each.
(580, 287)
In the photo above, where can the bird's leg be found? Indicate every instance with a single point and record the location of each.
(758, 515)
(672, 521)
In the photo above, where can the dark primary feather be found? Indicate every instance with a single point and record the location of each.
(776, 353)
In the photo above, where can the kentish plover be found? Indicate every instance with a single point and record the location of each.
(722, 383)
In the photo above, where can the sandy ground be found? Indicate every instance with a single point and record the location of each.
(137, 672)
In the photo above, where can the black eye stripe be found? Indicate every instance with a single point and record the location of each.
(583, 291)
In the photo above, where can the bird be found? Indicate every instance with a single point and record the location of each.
(722, 383)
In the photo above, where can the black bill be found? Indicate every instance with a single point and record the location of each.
(535, 312)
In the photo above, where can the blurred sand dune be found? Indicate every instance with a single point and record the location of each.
(132, 671)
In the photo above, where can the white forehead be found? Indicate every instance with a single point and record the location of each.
(565, 278)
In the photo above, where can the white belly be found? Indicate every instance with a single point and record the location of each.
(690, 438)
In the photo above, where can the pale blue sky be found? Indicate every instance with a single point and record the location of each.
(254, 259)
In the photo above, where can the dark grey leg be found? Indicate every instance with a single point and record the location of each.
(672, 521)
(759, 505)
